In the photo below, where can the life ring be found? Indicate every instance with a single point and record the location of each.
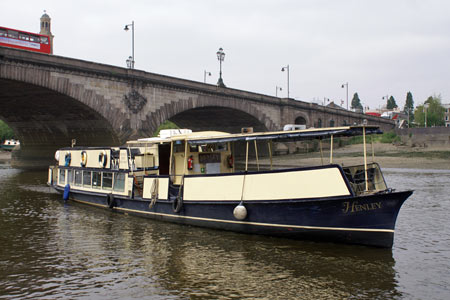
(102, 159)
(66, 192)
(110, 201)
(67, 159)
(177, 204)
(83, 158)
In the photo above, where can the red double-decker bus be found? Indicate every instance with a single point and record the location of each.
(24, 40)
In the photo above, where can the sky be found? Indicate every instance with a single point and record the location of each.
(379, 47)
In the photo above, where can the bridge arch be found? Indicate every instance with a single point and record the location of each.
(196, 114)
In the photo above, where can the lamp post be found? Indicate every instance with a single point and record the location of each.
(346, 85)
(287, 69)
(131, 63)
(204, 75)
(277, 88)
(425, 106)
(220, 57)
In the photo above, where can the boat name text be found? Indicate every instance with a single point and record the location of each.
(354, 206)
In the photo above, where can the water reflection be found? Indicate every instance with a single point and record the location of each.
(54, 250)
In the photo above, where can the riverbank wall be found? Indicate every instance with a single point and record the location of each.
(425, 137)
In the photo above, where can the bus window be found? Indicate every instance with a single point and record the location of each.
(44, 40)
(13, 34)
(24, 36)
(3, 32)
(35, 38)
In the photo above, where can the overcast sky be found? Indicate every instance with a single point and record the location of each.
(380, 47)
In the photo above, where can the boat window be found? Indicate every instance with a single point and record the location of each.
(70, 176)
(214, 147)
(62, 176)
(178, 146)
(87, 176)
(96, 180)
(78, 177)
(107, 181)
(193, 148)
(119, 182)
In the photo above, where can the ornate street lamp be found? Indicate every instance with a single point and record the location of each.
(131, 63)
(287, 69)
(220, 57)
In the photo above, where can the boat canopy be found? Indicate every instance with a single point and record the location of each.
(283, 136)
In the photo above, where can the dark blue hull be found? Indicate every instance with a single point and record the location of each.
(366, 220)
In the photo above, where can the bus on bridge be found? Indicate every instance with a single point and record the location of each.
(19, 39)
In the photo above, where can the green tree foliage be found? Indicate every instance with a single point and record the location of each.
(391, 103)
(166, 125)
(409, 106)
(356, 102)
(432, 110)
(5, 132)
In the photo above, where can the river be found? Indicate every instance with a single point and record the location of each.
(55, 250)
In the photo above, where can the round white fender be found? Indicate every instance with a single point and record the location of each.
(240, 212)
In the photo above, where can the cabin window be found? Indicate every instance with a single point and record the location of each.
(107, 181)
(70, 176)
(178, 146)
(62, 176)
(214, 147)
(96, 180)
(78, 177)
(87, 178)
(119, 182)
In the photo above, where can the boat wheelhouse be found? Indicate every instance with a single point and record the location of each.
(192, 178)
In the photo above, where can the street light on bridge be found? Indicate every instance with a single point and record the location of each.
(287, 69)
(277, 88)
(130, 60)
(204, 75)
(346, 85)
(220, 57)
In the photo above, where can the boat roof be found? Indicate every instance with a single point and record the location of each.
(209, 137)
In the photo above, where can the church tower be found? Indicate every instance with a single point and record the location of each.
(46, 29)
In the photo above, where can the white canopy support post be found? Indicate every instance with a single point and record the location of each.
(331, 149)
(365, 159)
(171, 175)
(373, 152)
(321, 152)
(256, 154)
(185, 157)
(246, 157)
(269, 143)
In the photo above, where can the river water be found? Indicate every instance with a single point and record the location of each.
(55, 250)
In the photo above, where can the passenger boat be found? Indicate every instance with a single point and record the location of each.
(9, 145)
(191, 178)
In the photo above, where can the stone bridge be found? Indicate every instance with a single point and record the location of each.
(49, 100)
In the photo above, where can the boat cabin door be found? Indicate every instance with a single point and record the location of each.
(164, 159)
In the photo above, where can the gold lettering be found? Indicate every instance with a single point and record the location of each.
(356, 207)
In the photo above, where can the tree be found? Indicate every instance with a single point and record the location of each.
(391, 103)
(431, 111)
(409, 107)
(356, 103)
(6, 133)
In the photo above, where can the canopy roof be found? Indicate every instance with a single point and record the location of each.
(197, 138)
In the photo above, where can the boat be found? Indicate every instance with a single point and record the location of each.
(192, 178)
(10, 145)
